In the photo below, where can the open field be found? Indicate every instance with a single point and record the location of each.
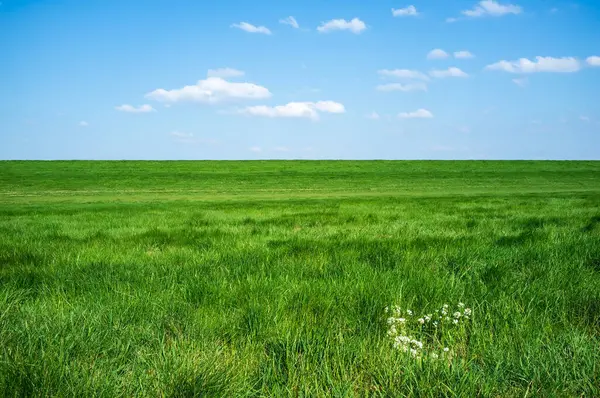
(232, 279)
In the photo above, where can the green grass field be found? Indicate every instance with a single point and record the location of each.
(234, 279)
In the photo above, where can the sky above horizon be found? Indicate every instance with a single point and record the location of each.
(351, 79)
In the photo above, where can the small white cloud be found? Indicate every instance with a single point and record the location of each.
(355, 25)
(409, 11)
(211, 90)
(290, 21)
(492, 8)
(521, 82)
(224, 72)
(403, 74)
(418, 114)
(402, 87)
(584, 119)
(308, 110)
(132, 109)
(255, 149)
(463, 54)
(251, 28)
(438, 53)
(451, 20)
(83, 123)
(373, 116)
(450, 72)
(541, 64)
(593, 60)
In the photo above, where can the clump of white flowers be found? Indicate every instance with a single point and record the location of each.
(435, 335)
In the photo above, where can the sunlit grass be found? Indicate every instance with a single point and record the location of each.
(272, 278)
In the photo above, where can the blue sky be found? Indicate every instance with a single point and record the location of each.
(352, 79)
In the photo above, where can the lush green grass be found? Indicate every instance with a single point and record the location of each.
(271, 278)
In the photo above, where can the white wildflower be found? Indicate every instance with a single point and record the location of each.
(421, 321)
(446, 349)
(391, 320)
(434, 355)
(436, 323)
(413, 352)
(409, 312)
(455, 321)
(468, 311)
(461, 305)
(387, 309)
(401, 320)
(457, 315)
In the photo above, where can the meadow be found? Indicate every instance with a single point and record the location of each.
(272, 278)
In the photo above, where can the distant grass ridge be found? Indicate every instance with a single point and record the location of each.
(271, 278)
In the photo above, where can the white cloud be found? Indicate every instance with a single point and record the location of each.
(584, 119)
(132, 109)
(225, 72)
(404, 12)
(438, 53)
(290, 21)
(403, 74)
(492, 8)
(541, 64)
(83, 123)
(211, 90)
(308, 110)
(251, 28)
(418, 114)
(402, 87)
(463, 54)
(373, 116)
(521, 82)
(450, 72)
(451, 20)
(255, 149)
(593, 60)
(355, 25)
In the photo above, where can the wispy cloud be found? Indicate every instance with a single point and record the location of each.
(418, 86)
(491, 8)
(418, 114)
(403, 74)
(463, 54)
(83, 123)
(410, 11)
(309, 110)
(224, 73)
(541, 64)
(450, 72)
(211, 90)
(373, 116)
(251, 28)
(132, 109)
(255, 149)
(521, 82)
(291, 21)
(355, 25)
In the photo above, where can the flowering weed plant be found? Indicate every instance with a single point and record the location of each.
(442, 334)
